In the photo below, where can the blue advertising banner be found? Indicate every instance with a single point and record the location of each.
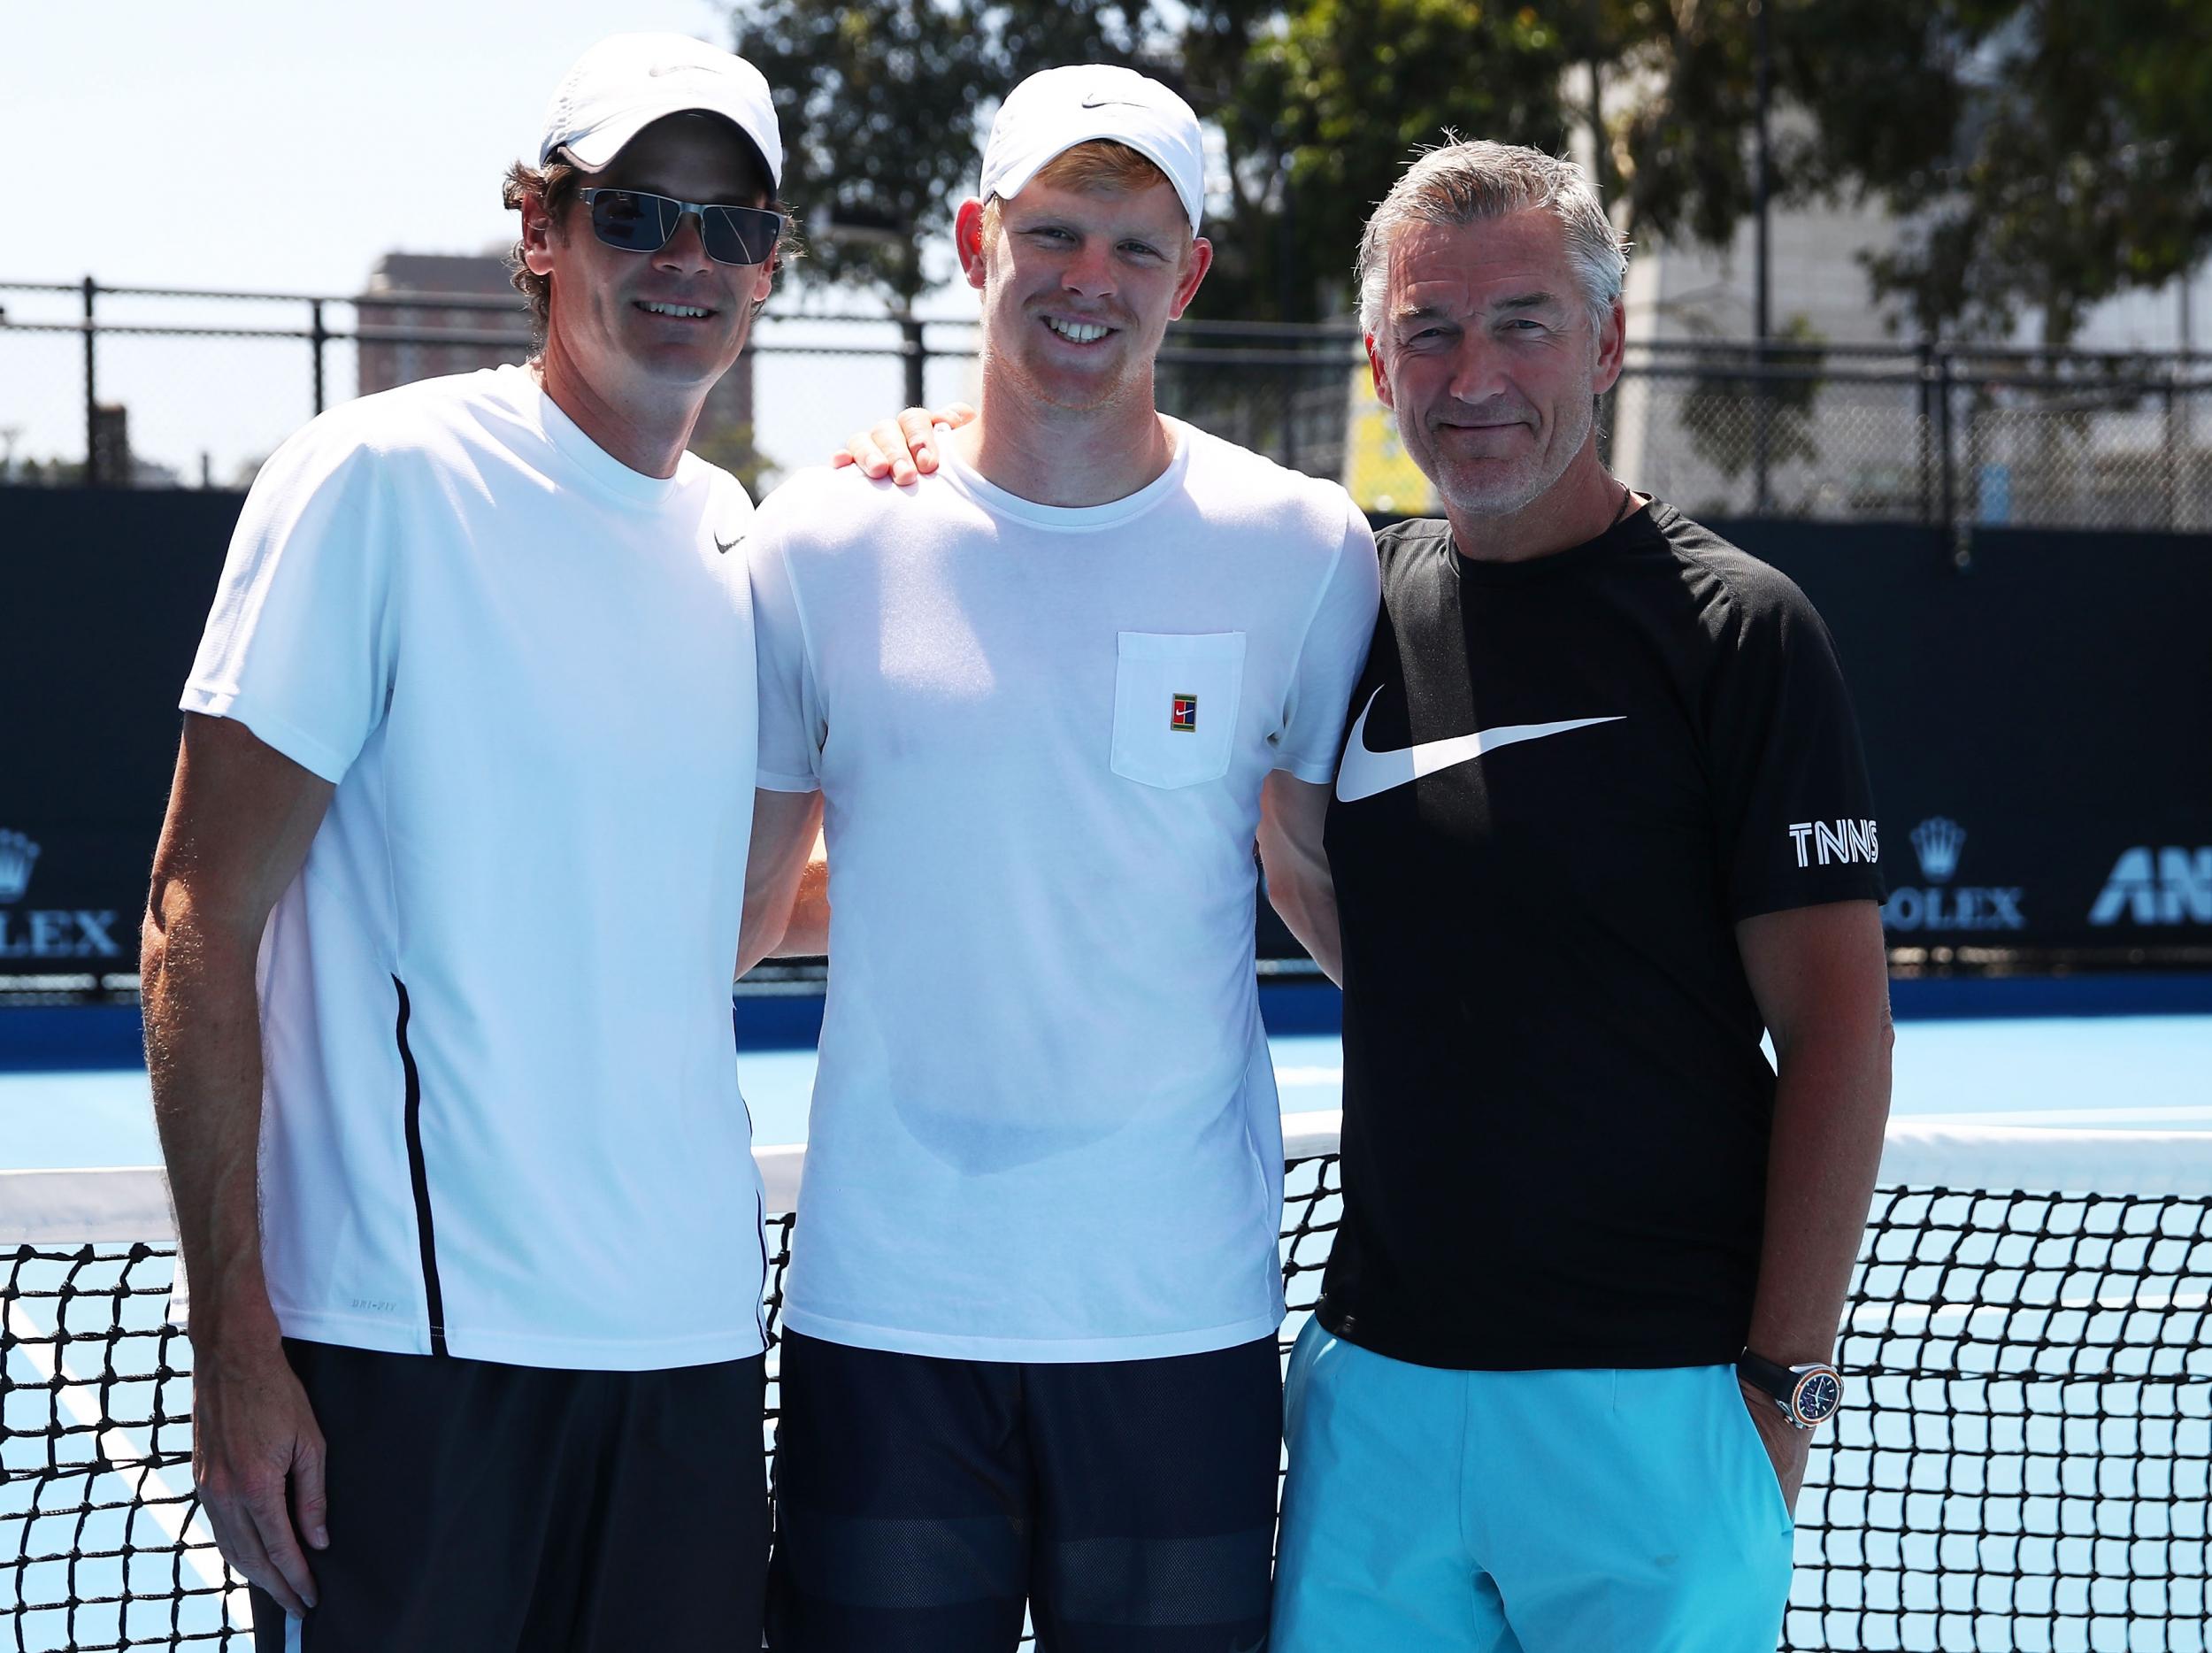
(2038, 721)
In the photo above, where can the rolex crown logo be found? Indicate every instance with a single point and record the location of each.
(1937, 842)
(16, 853)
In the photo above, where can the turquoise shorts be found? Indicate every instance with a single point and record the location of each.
(1634, 1511)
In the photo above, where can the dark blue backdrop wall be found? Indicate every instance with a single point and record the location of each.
(2038, 725)
(106, 595)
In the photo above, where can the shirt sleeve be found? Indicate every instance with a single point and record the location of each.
(301, 645)
(1329, 663)
(1796, 815)
(792, 727)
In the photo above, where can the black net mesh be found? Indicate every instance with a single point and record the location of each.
(2024, 1463)
(98, 1537)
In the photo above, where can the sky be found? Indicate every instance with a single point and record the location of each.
(327, 133)
(249, 144)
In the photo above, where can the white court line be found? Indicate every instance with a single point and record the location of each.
(32, 1343)
(2184, 1114)
(2115, 1118)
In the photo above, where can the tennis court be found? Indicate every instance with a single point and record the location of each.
(2026, 1466)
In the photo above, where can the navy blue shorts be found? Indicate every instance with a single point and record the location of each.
(475, 1506)
(922, 1504)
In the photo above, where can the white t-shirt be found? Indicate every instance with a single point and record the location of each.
(501, 1116)
(1045, 1125)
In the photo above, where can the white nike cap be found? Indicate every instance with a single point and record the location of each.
(627, 82)
(1055, 110)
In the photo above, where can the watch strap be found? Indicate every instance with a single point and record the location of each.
(1768, 1376)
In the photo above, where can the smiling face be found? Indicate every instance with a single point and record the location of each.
(653, 328)
(1489, 355)
(1079, 287)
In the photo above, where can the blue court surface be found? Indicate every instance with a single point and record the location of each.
(1988, 1053)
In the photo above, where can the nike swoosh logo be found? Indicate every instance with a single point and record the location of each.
(1125, 103)
(724, 547)
(1366, 772)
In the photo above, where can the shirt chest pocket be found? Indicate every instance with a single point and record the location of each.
(1175, 705)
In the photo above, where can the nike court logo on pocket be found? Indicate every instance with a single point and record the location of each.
(1366, 772)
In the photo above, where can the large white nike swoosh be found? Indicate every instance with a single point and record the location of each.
(1365, 772)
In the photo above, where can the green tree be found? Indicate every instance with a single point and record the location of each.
(879, 102)
(1329, 103)
(2075, 164)
(2043, 154)
(1856, 87)
(1333, 97)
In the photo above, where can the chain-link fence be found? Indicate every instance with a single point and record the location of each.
(1967, 435)
(161, 386)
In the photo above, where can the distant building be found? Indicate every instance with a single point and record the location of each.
(402, 295)
(109, 464)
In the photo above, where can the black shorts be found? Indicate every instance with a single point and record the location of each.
(477, 1506)
(921, 1503)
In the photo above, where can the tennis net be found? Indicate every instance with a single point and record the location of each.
(2025, 1464)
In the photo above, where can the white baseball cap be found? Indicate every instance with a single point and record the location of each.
(627, 82)
(1055, 110)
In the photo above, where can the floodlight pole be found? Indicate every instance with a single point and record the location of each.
(2184, 406)
(91, 387)
(1763, 312)
(1598, 157)
(914, 354)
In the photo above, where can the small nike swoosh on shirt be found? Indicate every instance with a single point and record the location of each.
(726, 547)
(1366, 772)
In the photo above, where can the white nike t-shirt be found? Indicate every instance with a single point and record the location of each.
(501, 1116)
(1045, 1125)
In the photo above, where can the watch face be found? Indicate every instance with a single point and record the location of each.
(1818, 1396)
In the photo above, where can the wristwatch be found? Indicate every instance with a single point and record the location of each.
(1807, 1395)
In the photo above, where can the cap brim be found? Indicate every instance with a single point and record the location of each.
(595, 151)
(1014, 180)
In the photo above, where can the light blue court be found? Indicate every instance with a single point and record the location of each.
(2024, 1465)
(2109, 1073)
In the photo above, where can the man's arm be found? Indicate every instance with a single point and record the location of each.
(241, 819)
(785, 826)
(1821, 977)
(1293, 814)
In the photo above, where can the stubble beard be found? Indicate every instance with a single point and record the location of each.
(1106, 392)
(1503, 500)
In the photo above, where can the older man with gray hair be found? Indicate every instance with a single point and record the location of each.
(1601, 823)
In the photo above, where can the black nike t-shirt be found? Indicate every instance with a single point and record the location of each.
(1567, 781)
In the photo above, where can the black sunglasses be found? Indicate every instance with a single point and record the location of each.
(638, 222)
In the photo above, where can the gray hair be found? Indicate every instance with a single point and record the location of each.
(1464, 182)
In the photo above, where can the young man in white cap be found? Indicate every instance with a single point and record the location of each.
(1030, 1355)
(438, 942)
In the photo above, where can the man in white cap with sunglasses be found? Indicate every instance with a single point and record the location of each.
(438, 949)
(1047, 697)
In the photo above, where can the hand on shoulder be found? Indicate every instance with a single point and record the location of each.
(905, 448)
